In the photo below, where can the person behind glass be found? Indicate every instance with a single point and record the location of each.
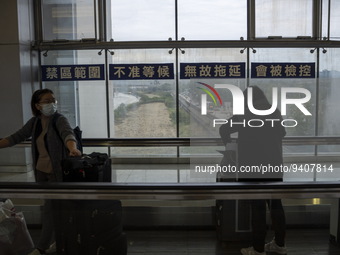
(258, 146)
(52, 140)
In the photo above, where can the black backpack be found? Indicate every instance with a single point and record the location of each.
(77, 134)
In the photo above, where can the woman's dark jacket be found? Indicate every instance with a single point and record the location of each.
(59, 132)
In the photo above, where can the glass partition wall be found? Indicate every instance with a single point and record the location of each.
(134, 39)
(137, 70)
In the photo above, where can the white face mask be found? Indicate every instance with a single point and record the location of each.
(48, 109)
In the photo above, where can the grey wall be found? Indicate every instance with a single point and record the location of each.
(18, 74)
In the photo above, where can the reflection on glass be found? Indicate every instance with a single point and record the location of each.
(142, 20)
(143, 108)
(286, 18)
(83, 102)
(191, 122)
(329, 119)
(68, 19)
(204, 20)
(92, 109)
(305, 123)
(334, 20)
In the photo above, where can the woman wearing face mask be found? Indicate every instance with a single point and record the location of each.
(52, 140)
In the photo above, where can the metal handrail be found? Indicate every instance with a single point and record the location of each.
(176, 191)
(165, 142)
(256, 43)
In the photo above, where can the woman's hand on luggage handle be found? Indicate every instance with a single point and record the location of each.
(72, 147)
(75, 153)
(4, 143)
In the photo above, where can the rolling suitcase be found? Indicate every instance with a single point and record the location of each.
(66, 234)
(233, 219)
(104, 233)
(89, 227)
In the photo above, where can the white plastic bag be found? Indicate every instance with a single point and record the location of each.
(15, 238)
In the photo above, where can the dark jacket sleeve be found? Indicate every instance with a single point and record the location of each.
(64, 129)
(22, 134)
